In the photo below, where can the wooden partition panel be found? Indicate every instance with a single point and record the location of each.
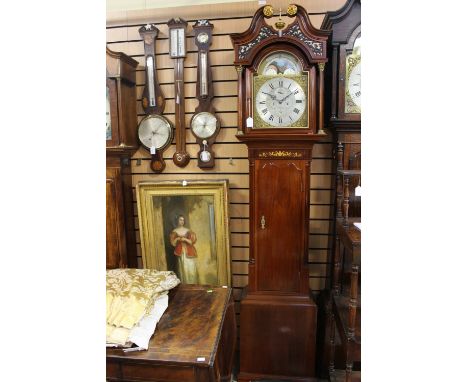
(231, 155)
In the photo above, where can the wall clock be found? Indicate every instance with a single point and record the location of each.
(204, 124)
(177, 51)
(154, 131)
(280, 117)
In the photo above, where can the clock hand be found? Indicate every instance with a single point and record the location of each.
(272, 96)
(282, 100)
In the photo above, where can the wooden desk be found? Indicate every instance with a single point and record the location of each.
(194, 341)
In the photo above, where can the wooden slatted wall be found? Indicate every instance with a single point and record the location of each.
(231, 155)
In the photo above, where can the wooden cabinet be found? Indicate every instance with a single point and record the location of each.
(194, 341)
(278, 315)
(121, 143)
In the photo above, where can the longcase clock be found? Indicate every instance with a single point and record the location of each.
(121, 144)
(343, 117)
(280, 117)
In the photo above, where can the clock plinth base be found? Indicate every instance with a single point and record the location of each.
(277, 338)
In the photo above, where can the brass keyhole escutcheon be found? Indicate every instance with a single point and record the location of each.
(262, 222)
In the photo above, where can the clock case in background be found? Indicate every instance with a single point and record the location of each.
(120, 234)
(278, 313)
(345, 25)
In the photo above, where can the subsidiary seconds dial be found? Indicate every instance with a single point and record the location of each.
(281, 102)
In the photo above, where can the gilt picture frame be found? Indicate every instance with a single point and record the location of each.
(184, 227)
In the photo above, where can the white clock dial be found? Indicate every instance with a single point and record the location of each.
(204, 125)
(155, 131)
(280, 101)
(202, 38)
(354, 84)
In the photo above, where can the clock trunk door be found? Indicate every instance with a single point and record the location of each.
(280, 198)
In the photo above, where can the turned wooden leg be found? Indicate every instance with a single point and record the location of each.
(353, 295)
(349, 369)
(339, 185)
(337, 268)
(346, 201)
(331, 366)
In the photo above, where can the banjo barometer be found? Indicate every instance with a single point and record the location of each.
(204, 123)
(155, 131)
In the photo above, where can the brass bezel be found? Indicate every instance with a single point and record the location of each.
(303, 82)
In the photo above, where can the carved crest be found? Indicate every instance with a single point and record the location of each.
(300, 33)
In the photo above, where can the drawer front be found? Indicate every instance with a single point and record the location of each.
(112, 370)
(158, 373)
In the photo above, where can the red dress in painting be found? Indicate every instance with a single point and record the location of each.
(186, 256)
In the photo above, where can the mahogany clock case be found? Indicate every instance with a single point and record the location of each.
(278, 314)
(121, 84)
(123, 142)
(345, 25)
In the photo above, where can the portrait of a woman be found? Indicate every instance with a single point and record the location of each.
(183, 240)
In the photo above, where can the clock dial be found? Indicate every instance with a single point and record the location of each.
(354, 85)
(155, 131)
(353, 79)
(281, 101)
(204, 125)
(280, 63)
(202, 38)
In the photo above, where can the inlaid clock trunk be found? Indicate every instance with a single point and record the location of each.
(278, 316)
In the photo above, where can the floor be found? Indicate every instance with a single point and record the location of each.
(236, 370)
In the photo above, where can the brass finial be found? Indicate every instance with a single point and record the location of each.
(268, 10)
(280, 23)
(292, 10)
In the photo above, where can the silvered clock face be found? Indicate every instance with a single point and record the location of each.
(281, 101)
(155, 131)
(204, 125)
(202, 37)
(354, 85)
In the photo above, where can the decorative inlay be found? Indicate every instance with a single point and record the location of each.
(264, 33)
(295, 31)
(200, 23)
(280, 153)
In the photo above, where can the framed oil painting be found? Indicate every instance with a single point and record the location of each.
(185, 229)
